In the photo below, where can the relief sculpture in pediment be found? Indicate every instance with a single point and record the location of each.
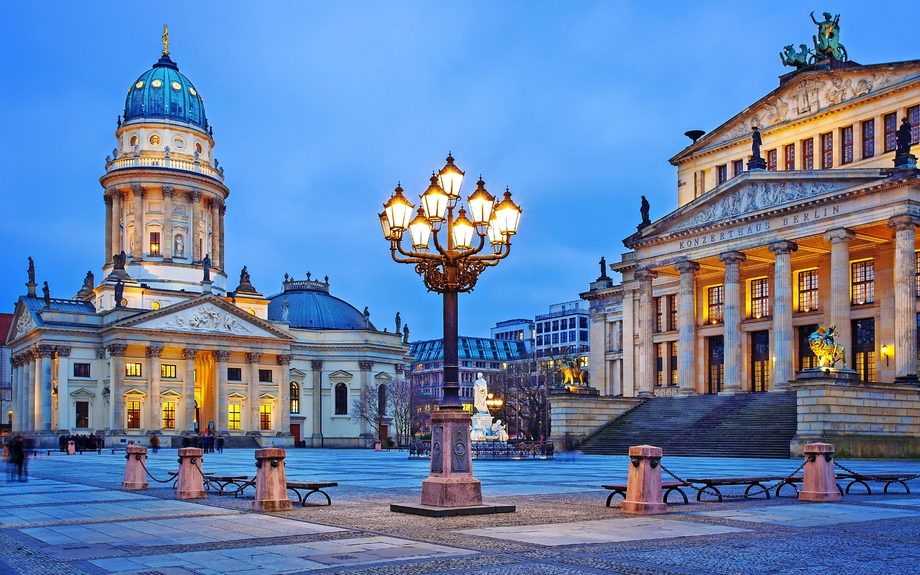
(207, 319)
(25, 324)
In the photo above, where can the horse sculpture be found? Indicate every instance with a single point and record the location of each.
(823, 344)
(571, 372)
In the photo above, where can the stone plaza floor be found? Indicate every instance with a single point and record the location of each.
(72, 517)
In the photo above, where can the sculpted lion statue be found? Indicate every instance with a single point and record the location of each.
(824, 345)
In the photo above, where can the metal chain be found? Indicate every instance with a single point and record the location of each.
(147, 471)
(764, 489)
(869, 477)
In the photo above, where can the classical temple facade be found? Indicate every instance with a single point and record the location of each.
(162, 345)
(720, 294)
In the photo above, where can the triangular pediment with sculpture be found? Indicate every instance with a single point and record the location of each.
(206, 315)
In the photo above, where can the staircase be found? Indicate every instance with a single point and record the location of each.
(240, 442)
(742, 425)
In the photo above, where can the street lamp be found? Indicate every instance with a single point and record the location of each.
(452, 267)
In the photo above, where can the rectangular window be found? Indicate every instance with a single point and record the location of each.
(863, 278)
(846, 140)
(808, 154)
(556, 325)
(716, 304)
(760, 298)
(555, 338)
(134, 414)
(863, 331)
(82, 414)
(808, 290)
(265, 417)
(583, 335)
(235, 374)
(154, 243)
(539, 340)
(673, 363)
(168, 371)
(583, 323)
(571, 323)
(234, 419)
(572, 335)
(771, 160)
(564, 337)
(659, 312)
(539, 328)
(868, 138)
(169, 415)
(827, 151)
(721, 174)
(789, 154)
(890, 122)
(659, 364)
(913, 116)
(132, 369)
(81, 370)
(672, 312)
(265, 375)
(737, 168)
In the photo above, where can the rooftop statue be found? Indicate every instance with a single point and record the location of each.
(827, 41)
(31, 271)
(206, 266)
(118, 260)
(795, 59)
(398, 323)
(406, 333)
(119, 293)
(756, 142)
(643, 209)
(46, 294)
(903, 138)
(824, 345)
(90, 280)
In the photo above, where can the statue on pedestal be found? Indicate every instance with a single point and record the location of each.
(46, 294)
(398, 323)
(206, 266)
(31, 271)
(480, 394)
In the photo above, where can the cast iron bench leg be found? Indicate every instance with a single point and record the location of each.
(904, 485)
(861, 482)
(752, 486)
(613, 494)
(303, 502)
(714, 489)
(789, 483)
(677, 489)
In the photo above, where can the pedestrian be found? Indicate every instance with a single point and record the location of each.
(155, 443)
(220, 444)
(18, 456)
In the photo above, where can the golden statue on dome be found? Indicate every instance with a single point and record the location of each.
(165, 40)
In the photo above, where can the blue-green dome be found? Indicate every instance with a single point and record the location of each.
(310, 306)
(164, 93)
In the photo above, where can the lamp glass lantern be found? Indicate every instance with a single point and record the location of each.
(420, 231)
(463, 231)
(508, 215)
(435, 200)
(451, 179)
(399, 211)
(481, 204)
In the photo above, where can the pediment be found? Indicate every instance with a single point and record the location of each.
(383, 376)
(170, 393)
(267, 396)
(754, 193)
(340, 375)
(205, 315)
(82, 392)
(22, 323)
(298, 374)
(236, 396)
(136, 392)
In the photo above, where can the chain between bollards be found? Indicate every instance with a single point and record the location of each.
(147, 471)
(764, 489)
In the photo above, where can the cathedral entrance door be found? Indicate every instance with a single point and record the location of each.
(295, 431)
(760, 361)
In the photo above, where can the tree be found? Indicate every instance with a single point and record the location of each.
(368, 408)
(402, 408)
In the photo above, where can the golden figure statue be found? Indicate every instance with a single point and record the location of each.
(165, 40)
(571, 372)
(824, 345)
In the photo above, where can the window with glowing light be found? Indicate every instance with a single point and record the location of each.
(846, 140)
(265, 417)
(134, 414)
(169, 415)
(808, 154)
(863, 282)
(760, 298)
(716, 299)
(295, 397)
(154, 243)
(132, 369)
(827, 151)
(808, 290)
(233, 419)
(168, 371)
(82, 414)
(807, 358)
(868, 138)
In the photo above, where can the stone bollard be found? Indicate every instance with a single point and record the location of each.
(643, 488)
(820, 481)
(190, 481)
(71, 447)
(271, 483)
(6, 450)
(135, 476)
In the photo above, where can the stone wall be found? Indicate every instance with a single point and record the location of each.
(574, 417)
(874, 420)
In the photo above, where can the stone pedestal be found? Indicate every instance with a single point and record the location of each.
(71, 447)
(135, 475)
(271, 483)
(451, 483)
(643, 487)
(190, 482)
(819, 483)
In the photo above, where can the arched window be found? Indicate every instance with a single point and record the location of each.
(382, 399)
(295, 397)
(341, 399)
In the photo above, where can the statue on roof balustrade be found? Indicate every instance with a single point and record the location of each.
(827, 41)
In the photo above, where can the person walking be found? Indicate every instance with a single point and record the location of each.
(220, 444)
(155, 443)
(18, 456)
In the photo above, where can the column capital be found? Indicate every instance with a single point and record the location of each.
(645, 275)
(100, 353)
(138, 190)
(117, 349)
(223, 208)
(285, 359)
(107, 197)
(168, 191)
(687, 267)
(111, 191)
(210, 202)
(154, 351)
(44, 350)
(783, 247)
(254, 357)
(15, 361)
(366, 365)
(194, 196)
(837, 235)
(189, 353)
(902, 222)
(317, 365)
(222, 354)
(27, 356)
(400, 368)
(732, 257)
(63, 350)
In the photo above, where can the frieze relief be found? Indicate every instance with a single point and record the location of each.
(25, 324)
(203, 319)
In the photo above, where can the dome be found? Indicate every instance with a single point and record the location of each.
(164, 93)
(311, 307)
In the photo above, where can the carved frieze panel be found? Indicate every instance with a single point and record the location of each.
(24, 324)
(206, 319)
(460, 451)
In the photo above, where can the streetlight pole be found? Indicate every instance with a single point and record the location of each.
(452, 268)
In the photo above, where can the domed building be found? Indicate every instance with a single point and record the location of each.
(162, 345)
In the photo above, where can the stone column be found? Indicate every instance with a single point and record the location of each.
(216, 253)
(783, 341)
(167, 241)
(284, 360)
(317, 366)
(840, 285)
(28, 391)
(153, 396)
(223, 407)
(733, 312)
(117, 245)
(254, 401)
(365, 366)
(107, 198)
(646, 332)
(63, 395)
(16, 366)
(686, 345)
(189, 354)
(905, 299)
(45, 352)
(223, 210)
(117, 390)
(194, 199)
(139, 230)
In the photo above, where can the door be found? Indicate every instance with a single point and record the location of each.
(295, 431)
(760, 361)
(864, 348)
(716, 362)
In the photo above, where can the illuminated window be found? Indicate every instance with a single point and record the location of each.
(808, 290)
(265, 417)
(808, 154)
(341, 399)
(771, 160)
(154, 140)
(868, 138)
(827, 150)
(864, 348)
(737, 167)
(863, 278)
(789, 155)
(169, 415)
(81, 370)
(168, 371)
(234, 419)
(82, 414)
(716, 304)
(913, 116)
(133, 370)
(134, 414)
(890, 122)
(716, 362)
(659, 364)
(846, 140)
(154, 243)
(721, 174)
(672, 312)
(295, 397)
(659, 312)
(807, 358)
(760, 298)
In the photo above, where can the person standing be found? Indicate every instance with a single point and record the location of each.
(18, 456)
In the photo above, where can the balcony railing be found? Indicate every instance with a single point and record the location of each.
(164, 162)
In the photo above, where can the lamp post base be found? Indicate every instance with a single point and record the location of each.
(451, 483)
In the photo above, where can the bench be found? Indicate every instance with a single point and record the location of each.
(887, 478)
(223, 481)
(666, 486)
(712, 484)
(310, 487)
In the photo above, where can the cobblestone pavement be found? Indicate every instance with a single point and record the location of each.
(72, 517)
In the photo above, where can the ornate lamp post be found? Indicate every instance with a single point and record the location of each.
(452, 267)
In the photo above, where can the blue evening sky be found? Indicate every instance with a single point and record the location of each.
(319, 108)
